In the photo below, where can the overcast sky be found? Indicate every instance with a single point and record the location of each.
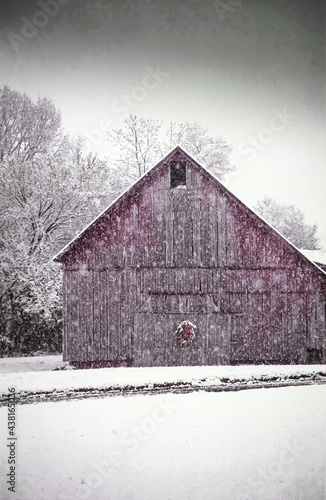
(251, 71)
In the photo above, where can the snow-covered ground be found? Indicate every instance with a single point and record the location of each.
(55, 381)
(261, 444)
(247, 445)
(34, 386)
(31, 363)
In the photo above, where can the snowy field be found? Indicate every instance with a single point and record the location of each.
(247, 445)
(26, 378)
(243, 445)
(36, 386)
(31, 363)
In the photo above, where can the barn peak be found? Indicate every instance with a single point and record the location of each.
(175, 162)
(188, 186)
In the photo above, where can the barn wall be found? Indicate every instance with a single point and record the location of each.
(193, 253)
(242, 317)
(197, 226)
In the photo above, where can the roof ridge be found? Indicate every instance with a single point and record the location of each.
(165, 158)
(121, 195)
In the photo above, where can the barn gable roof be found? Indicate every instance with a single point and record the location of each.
(60, 256)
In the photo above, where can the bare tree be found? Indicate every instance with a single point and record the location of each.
(290, 222)
(138, 143)
(142, 143)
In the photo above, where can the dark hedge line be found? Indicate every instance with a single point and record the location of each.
(26, 333)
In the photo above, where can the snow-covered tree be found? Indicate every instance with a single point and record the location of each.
(138, 144)
(143, 141)
(49, 189)
(290, 222)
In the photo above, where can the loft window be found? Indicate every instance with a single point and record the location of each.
(177, 173)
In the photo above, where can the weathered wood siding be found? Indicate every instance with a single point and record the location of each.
(161, 256)
(242, 316)
(197, 226)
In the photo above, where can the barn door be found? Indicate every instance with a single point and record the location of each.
(155, 341)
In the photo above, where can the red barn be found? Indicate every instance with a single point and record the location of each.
(178, 271)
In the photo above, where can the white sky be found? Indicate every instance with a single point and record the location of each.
(235, 71)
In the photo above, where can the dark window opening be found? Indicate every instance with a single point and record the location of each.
(177, 173)
(314, 355)
(236, 339)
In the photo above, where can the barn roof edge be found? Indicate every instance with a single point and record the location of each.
(59, 256)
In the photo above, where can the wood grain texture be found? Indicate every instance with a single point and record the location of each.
(161, 256)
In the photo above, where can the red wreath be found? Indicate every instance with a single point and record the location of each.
(186, 333)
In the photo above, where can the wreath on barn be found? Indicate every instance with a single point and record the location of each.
(186, 333)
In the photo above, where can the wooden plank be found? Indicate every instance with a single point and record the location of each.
(251, 346)
(312, 320)
(68, 320)
(134, 234)
(113, 279)
(168, 228)
(179, 235)
(212, 228)
(83, 313)
(203, 280)
(237, 340)
(145, 223)
(103, 316)
(267, 342)
(190, 176)
(321, 322)
(123, 230)
(204, 226)
(229, 236)
(66, 293)
(179, 280)
(120, 244)
(90, 315)
(157, 232)
(96, 315)
(123, 298)
(188, 233)
(196, 241)
(139, 284)
(164, 280)
(223, 339)
(74, 327)
(162, 230)
(191, 280)
(221, 243)
(172, 281)
(138, 341)
(128, 230)
(153, 213)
